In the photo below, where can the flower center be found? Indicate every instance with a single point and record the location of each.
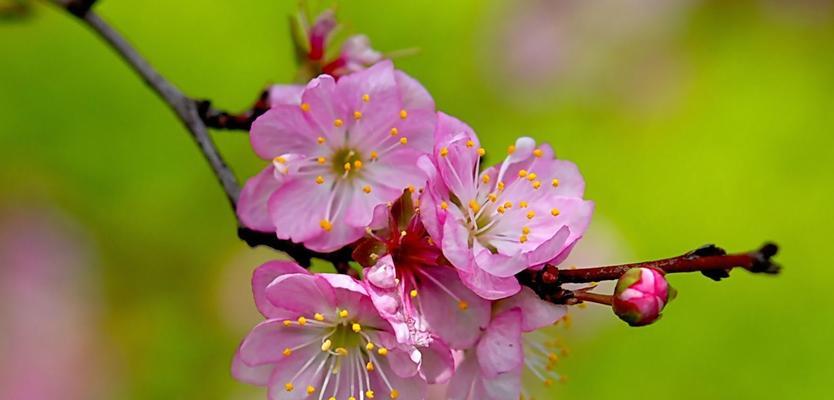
(346, 162)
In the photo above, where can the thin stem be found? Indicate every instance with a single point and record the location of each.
(605, 299)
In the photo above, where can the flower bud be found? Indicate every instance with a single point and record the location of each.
(640, 296)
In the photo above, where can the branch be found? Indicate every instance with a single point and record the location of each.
(218, 119)
(709, 260)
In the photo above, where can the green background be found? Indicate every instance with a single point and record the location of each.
(716, 128)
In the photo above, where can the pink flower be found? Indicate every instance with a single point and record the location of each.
(347, 148)
(640, 296)
(356, 55)
(523, 213)
(322, 339)
(415, 290)
(492, 370)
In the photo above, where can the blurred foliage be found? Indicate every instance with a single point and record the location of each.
(720, 128)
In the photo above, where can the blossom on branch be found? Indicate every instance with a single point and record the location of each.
(522, 213)
(348, 147)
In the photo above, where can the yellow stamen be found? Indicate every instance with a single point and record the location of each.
(444, 205)
(326, 225)
(302, 321)
(403, 140)
(325, 346)
(522, 204)
(287, 323)
(320, 160)
(538, 153)
(369, 366)
(311, 390)
(344, 313)
(394, 394)
(444, 151)
(492, 197)
(522, 173)
(410, 188)
(511, 149)
(531, 176)
(500, 209)
(525, 230)
(357, 115)
(555, 212)
(338, 122)
(288, 387)
(531, 214)
(319, 179)
(548, 382)
(508, 204)
(470, 143)
(413, 293)
(356, 327)
(500, 186)
(555, 182)
(474, 206)
(279, 160)
(369, 346)
(481, 151)
(462, 305)
(366, 97)
(357, 164)
(403, 114)
(287, 352)
(382, 351)
(318, 317)
(522, 239)
(369, 394)
(351, 398)
(552, 357)
(485, 179)
(374, 155)
(537, 184)
(366, 189)
(341, 351)
(394, 132)
(305, 107)
(320, 140)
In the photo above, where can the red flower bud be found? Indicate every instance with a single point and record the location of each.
(640, 296)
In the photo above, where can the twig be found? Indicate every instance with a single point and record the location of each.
(218, 119)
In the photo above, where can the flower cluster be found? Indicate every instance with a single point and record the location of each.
(364, 161)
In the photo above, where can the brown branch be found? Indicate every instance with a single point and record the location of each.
(218, 119)
(709, 260)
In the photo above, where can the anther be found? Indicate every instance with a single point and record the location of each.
(413, 293)
(508, 204)
(325, 346)
(369, 366)
(287, 323)
(444, 205)
(485, 179)
(492, 197)
(522, 173)
(522, 204)
(403, 140)
(356, 327)
(531, 176)
(525, 230)
(341, 351)
(319, 179)
(326, 225)
(369, 394)
(357, 164)
(394, 132)
(444, 151)
(344, 313)
(320, 140)
(320, 160)
(302, 321)
(531, 214)
(537, 184)
(481, 151)
(338, 122)
(470, 143)
(500, 209)
(522, 239)
(462, 305)
(287, 352)
(403, 114)
(289, 387)
(347, 167)
(511, 149)
(555, 182)
(305, 107)
(538, 153)
(382, 351)
(357, 115)
(318, 317)
(500, 186)
(474, 206)
(394, 394)
(369, 346)
(366, 189)
(374, 155)
(279, 160)
(555, 212)
(311, 390)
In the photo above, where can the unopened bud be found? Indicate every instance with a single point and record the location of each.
(640, 296)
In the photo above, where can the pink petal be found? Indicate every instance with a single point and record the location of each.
(299, 369)
(267, 340)
(504, 386)
(285, 94)
(263, 276)
(535, 312)
(500, 349)
(500, 265)
(549, 249)
(414, 95)
(457, 168)
(258, 375)
(304, 293)
(252, 205)
(464, 378)
(325, 108)
(455, 245)
(460, 328)
(282, 129)
(438, 364)
(489, 286)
